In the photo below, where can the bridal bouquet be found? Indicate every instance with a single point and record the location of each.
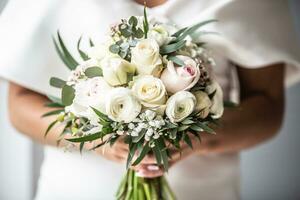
(147, 85)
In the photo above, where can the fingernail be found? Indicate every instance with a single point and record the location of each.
(152, 167)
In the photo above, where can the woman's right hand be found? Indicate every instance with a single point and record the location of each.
(117, 152)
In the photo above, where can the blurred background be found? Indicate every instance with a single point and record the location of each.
(269, 171)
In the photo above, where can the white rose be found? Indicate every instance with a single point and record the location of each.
(89, 93)
(150, 91)
(180, 105)
(177, 78)
(160, 34)
(217, 107)
(115, 70)
(203, 104)
(121, 105)
(145, 55)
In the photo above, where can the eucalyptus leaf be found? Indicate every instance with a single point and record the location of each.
(133, 21)
(93, 72)
(67, 95)
(114, 48)
(157, 154)
(100, 114)
(183, 127)
(57, 82)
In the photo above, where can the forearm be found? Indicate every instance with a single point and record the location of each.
(26, 108)
(257, 120)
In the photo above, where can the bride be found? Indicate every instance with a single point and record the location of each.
(250, 65)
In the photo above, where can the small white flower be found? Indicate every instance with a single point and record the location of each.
(150, 115)
(131, 126)
(149, 132)
(134, 134)
(152, 123)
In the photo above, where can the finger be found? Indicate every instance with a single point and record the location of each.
(149, 159)
(150, 171)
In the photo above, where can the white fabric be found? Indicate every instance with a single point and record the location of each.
(252, 33)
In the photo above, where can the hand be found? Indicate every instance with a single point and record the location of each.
(149, 169)
(117, 152)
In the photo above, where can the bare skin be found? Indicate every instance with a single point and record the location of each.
(258, 119)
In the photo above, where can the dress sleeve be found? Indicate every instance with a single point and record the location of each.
(254, 34)
(26, 46)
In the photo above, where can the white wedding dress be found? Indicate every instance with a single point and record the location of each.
(252, 34)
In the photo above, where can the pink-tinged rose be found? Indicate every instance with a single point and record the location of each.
(178, 78)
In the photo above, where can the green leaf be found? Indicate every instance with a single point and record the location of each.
(54, 105)
(196, 128)
(53, 112)
(81, 147)
(66, 52)
(173, 134)
(139, 33)
(97, 146)
(187, 140)
(139, 137)
(176, 34)
(145, 22)
(132, 150)
(82, 54)
(67, 95)
(62, 56)
(183, 127)
(50, 127)
(192, 29)
(114, 48)
(93, 72)
(170, 48)
(57, 82)
(187, 121)
(133, 21)
(142, 154)
(91, 42)
(100, 114)
(176, 60)
(86, 138)
(157, 154)
(206, 128)
(162, 147)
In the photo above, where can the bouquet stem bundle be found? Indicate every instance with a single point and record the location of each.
(134, 187)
